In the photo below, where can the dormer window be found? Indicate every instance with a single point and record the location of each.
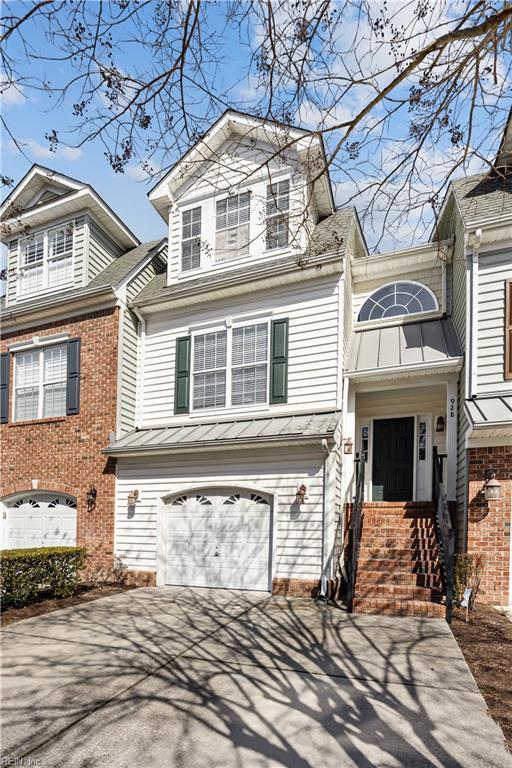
(191, 239)
(278, 208)
(46, 260)
(398, 299)
(232, 227)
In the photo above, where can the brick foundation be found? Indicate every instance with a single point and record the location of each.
(489, 522)
(140, 578)
(296, 587)
(64, 454)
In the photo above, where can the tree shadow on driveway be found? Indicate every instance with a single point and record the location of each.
(185, 678)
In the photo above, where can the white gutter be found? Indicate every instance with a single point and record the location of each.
(323, 577)
(473, 315)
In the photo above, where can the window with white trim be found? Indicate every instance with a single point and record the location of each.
(40, 383)
(231, 367)
(232, 216)
(278, 207)
(191, 239)
(396, 299)
(46, 259)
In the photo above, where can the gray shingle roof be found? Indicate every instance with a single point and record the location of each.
(485, 411)
(330, 236)
(226, 432)
(484, 196)
(121, 267)
(395, 346)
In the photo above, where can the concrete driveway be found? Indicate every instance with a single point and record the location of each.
(180, 678)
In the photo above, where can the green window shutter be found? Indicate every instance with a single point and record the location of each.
(279, 362)
(182, 375)
(4, 387)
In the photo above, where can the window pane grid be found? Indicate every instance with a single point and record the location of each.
(46, 260)
(40, 383)
(278, 205)
(232, 227)
(191, 239)
(397, 299)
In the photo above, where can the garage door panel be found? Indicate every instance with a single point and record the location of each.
(40, 521)
(218, 544)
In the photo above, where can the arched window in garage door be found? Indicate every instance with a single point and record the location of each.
(39, 520)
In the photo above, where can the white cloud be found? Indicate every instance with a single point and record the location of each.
(11, 96)
(40, 152)
(142, 172)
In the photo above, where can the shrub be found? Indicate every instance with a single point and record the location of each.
(467, 572)
(25, 573)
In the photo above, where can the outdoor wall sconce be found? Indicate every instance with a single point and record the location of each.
(440, 424)
(91, 498)
(348, 445)
(492, 488)
(132, 498)
(300, 496)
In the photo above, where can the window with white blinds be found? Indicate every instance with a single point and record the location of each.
(191, 239)
(46, 260)
(278, 208)
(232, 227)
(40, 383)
(249, 363)
(210, 362)
(230, 367)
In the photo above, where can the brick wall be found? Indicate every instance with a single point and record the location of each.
(489, 522)
(64, 454)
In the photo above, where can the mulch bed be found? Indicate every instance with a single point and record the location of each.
(486, 642)
(84, 594)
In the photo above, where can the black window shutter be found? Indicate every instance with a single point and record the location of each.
(182, 375)
(73, 383)
(279, 362)
(4, 387)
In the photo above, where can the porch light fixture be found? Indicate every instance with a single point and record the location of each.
(132, 498)
(348, 445)
(440, 424)
(300, 496)
(492, 488)
(91, 498)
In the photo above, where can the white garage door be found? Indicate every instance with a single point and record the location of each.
(218, 539)
(40, 521)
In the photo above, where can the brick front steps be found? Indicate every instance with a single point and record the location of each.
(398, 571)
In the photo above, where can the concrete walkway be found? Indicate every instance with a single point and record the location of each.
(178, 678)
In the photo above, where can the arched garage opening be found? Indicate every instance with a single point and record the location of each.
(36, 519)
(218, 537)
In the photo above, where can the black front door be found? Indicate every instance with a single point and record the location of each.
(393, 441)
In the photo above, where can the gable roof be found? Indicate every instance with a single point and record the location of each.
(329, 239)
(484, 196)
(119, 269)
(242, 124)
(17, 210)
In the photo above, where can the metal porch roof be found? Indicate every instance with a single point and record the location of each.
(486, 411)
(403, 346)
(236, 432)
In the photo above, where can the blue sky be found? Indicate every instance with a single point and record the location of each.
(31, 115)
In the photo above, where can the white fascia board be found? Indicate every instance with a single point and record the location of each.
(48, 175)
(451, 365)
(16, 318)
(418, 258)
(17, 222)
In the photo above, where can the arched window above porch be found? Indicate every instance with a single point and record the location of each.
(398, 299)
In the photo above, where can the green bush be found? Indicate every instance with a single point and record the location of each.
(26, 573)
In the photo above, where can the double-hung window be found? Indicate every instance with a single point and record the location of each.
(278, 212)
(230, 367)
(191, 239)
(232, 216)
(46, 260)
(40, 383)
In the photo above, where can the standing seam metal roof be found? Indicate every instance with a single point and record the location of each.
(490, 410)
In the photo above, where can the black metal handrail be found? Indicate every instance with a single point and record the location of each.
(444, 531)
(354, 534)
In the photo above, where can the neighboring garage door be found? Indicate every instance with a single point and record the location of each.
(40, 520)
(218, 539)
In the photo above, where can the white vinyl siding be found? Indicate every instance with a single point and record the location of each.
(40, 383)
(494, 269)
(46, 260)
(102, 250)
(191, 239)
(232, 217)
(278, 207)
(296, 539)
(314, 369)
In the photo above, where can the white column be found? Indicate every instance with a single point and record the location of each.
(451, 439)
(348, 431)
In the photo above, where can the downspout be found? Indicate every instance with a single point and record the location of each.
(141, 356)
(474, 313)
